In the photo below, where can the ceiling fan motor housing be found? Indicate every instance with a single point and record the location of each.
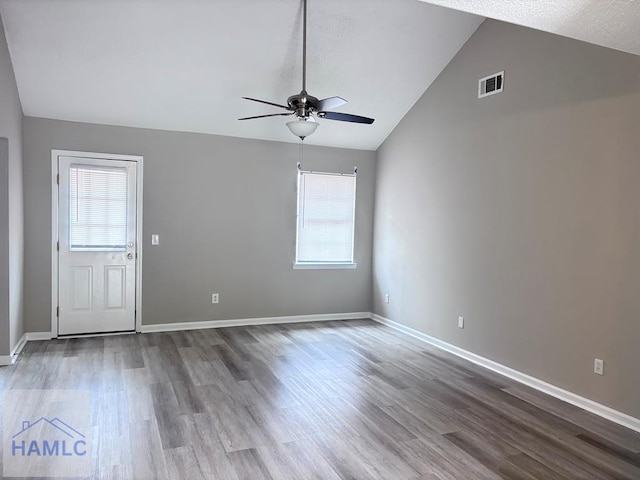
(303, 104)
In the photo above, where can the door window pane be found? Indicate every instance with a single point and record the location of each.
(97, 208)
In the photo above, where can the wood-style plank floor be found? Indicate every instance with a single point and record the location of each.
(330, 400)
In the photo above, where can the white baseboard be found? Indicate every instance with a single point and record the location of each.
(11, 358)
(36, 336)
(19, 346)
(544, 387)
(245, 322)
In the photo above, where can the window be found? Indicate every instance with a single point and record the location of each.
(97, 208)
(326, 214)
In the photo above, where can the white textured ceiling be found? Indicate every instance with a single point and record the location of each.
(609, 23)
(185, 64)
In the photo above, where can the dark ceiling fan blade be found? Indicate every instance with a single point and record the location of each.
(270, 115)
(345, 117)
(330, 103)
(268, 103)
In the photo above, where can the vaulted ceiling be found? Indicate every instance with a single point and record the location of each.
(608, 23)
(185, 64)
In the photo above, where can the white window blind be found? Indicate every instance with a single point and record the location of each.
(326, 214)
(97, 208)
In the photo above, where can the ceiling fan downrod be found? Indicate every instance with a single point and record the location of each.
(304, 47)
(303, 104)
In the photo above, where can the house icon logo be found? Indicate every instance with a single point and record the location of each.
(48, 438)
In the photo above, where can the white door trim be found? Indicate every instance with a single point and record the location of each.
(54, 228)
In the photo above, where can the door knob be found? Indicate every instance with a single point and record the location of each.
(130, 256)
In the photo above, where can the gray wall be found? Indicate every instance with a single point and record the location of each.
(5, 344)
(11, 206)
(521, 212)
(225, 212)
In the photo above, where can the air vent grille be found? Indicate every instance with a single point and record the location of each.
(491, 84)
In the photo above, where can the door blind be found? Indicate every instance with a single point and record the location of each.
(97, 208)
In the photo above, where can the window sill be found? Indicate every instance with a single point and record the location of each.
(324, 266)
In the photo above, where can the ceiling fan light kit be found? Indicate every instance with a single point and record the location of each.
(305, 106)
(302, 127)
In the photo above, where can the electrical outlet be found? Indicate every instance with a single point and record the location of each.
(386, 298)
(215, 298)
(598, 366)
(460, 322)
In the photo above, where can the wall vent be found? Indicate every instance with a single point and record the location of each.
(491, 85)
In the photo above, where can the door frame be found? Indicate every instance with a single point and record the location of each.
(54, 229)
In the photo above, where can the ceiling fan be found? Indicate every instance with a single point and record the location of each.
(305, 106)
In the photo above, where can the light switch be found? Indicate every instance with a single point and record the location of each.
(155, 239)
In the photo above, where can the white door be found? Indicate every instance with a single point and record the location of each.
(97, 245)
